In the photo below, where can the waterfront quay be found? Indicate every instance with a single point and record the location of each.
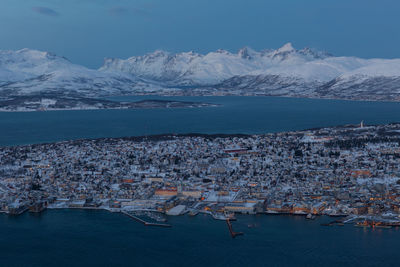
(348, 170)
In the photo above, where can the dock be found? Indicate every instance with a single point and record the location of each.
(144, 222)
(17, 210)
(230, 228)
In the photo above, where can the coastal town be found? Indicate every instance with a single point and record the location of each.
(351, 171)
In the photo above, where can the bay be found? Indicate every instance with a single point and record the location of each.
(250, 115)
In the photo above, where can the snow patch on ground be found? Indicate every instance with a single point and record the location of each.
(375, 180)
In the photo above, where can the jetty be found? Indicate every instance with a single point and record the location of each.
(230, 228)
(145, 222)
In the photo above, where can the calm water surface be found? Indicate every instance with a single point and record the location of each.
(236, 115)
(99, 238)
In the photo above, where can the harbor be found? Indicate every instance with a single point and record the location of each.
(277, 237)
(347, 172)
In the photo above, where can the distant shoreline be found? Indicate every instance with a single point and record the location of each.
(125, 105)
(42, 103)
(171, 136)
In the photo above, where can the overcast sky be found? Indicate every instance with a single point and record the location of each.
(86, 31)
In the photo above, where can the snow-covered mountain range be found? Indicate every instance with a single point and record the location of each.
(282, 72)
(191, 69)
(26, 72)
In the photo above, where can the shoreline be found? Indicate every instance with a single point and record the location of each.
(343, 219)
(199, 103)
(171, 136)
(123, 174)
(256, 95)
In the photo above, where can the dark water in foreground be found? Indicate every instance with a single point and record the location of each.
(236, 115)
(99, 238)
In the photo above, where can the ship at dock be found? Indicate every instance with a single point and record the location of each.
(223, 216)
(193, 213)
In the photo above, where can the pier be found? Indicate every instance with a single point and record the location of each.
(233, 233)
(145, 222)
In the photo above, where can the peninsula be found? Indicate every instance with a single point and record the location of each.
(348, 170)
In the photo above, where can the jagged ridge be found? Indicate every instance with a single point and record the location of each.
(285, 72)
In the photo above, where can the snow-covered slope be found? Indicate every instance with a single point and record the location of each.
(379, 80)
(285, 72)
(28, 71)
(195, 69)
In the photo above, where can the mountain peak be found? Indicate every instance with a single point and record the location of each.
(29, 58)
(286, 48)
(314, 53)
(222, 51)
(246, 52)
(158, 53)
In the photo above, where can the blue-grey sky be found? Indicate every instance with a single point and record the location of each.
(86, 31)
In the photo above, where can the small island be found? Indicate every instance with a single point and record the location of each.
(49, 102)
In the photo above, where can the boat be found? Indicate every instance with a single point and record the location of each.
(230, 216)
(271, 212)
(218, 216)
(363, 224)
(383, 226)
(299, 212)
(310, 216)
(193, 212)
(158, 217)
